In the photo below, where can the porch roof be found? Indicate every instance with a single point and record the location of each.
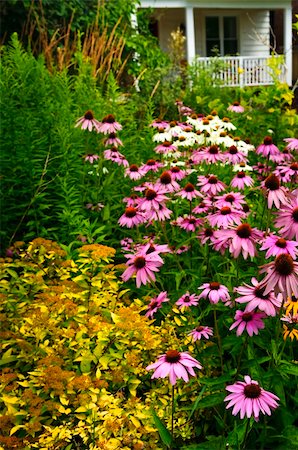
(218, 4)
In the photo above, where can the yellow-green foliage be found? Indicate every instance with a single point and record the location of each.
(74, 352)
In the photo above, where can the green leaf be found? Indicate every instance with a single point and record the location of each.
(212, 400)
(196, 403)
(164, 433)
(289, 368)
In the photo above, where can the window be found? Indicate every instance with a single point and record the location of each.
(221, 35)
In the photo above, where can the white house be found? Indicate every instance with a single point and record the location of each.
(240, 30)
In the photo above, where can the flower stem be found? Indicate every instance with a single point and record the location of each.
(173, 410)
(218, 341)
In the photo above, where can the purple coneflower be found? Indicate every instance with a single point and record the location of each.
(212, 155)
(255, 298)
(88, 122)
(276, 246)
(153, 198)
(165, 147)
(175, 365)
(131, 218)
(159, 124)
(267, 148)
(203, 207)
(248, 398)
(282, 276)
(200, 332)
(143, 265)
(189, 192)
(234, 156)
(187, 300)
(232, 199)
(206, 235)
(215, 292)
(250, 321)
(152, 165)
(177, 173)
(160, 214)
(287, 219)
(287, 173)
(241, 239)
(277, 194)
(114, 155)
(113, 140)
(109, 125)
(188, 223)
(241, 180)
(156, 303)
(210, 185)
(167, 182)
(91, 158)
(134, 172)
(225, 217)
(236, 107)
(292, 143)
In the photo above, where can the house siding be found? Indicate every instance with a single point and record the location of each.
(253, 28)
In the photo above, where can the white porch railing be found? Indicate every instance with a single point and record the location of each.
(240, 70)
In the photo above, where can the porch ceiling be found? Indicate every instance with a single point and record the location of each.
(218, 4)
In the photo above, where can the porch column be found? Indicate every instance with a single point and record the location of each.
(288, 44)
(190, 35)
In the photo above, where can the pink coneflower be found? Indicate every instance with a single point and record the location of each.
(175, 365)
(241, 180)
(267, 148)
(292, 143)
(203, 207)
(177, 173)
(189, 192)
(262, 169)
(114, 155)
(167, 183)
(88, 122)
(165, 147)
(283, 157)
(282, 276)
(277, 194)
(215, 292)
(134, 172)
(143, 265)
(276, 245)
(200, 332)
(156, 303)
(242, 239)
(153, 198)
(250, 321)
(187, 300)
(109, 125)
(151, 165)
(225, 217)
(154, 247)
(113, 140)
(232, 199)
(91, 158)
(248, 398)
(159, 124)
(133, 200)
(212, 155)
(131, 218)
(160, 214)
(188, 223)
(287, 173)
(256, 299)
(210, 185)
(287, 219)
(206, 235)
(234, 156)
(236, 107)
